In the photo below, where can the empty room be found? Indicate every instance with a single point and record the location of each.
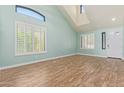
(61, 46)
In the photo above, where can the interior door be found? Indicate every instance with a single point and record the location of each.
(115, 44)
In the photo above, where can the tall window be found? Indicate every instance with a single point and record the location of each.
(30, 12)
(87, 41)
(82, 9)
(30, 39)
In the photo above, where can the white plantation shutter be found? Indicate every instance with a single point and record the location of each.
(81, 40)
(42, 47)
(20, 38)
(87, 41)
(30, 39)
(37, 41)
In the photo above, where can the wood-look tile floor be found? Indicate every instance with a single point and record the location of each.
(73, 71)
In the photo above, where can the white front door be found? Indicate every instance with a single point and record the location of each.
(115, 44)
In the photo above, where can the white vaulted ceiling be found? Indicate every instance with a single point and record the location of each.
(99, 16)
(72, 13)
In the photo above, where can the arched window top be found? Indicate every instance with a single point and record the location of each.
(30, 12)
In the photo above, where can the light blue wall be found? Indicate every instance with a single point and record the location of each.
(61, 38)
(98, 42)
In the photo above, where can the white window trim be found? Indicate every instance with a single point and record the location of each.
(31, 53)
(87, 48)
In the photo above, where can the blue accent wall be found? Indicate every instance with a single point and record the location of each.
(61, 37)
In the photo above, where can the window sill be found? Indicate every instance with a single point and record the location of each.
(87, 48)
(26, 54)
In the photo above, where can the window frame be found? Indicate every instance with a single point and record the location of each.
(30, 10)
(81, 44)
(30, 53)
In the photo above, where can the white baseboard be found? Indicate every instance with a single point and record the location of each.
(91, 55)
(36, 61)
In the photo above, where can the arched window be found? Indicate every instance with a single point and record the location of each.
(30, 12)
